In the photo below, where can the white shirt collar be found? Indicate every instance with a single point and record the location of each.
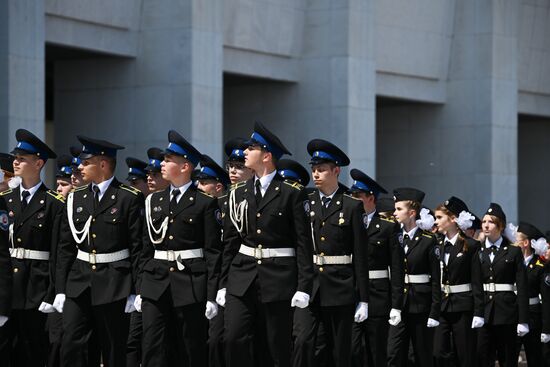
(265, 180)
(488, 243)
(528, 259)
(328, 196)
(31, 191)
(452, 240)
(411, 233)
(103, 186)
(182, 189)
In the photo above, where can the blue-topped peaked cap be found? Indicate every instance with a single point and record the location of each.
(94, 147)
(28, 143)
(210, 170)
(455, 205)
(179, 146)
(408, 193)
(75, 153)
(496, 210)
(267, 140)
(322, 151)
(136, 169)
(291, 170)
(234, 149)
(64, 167)
(6, 162)
(156, 156)
(362, 182)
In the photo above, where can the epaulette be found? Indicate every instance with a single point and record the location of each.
(539, 263)
(294, 184)
(223, 196)
(351, 197)
(427, 235)
(80, 188)
(312, 193)
(8, 191)
(129, 189)
(56, 195)
(205, 194)
(237, 185)
(387, 220)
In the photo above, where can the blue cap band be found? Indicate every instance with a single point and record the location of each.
(93, 150)
(76, 161)
(154, 163)
(66, 170)
(284, 173)
(363, 187)
(136, 171)
(324, 155)
(209, 172)
(173, 147)
(237, 153)
(28, 147)
(277, 153)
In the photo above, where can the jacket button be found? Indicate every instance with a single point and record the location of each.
(94, 267)
(15, 270)
(93, 251)
(258, 215)
(259, 262)
(93, 220)
(172, 268)
(258, 231)
(322, 238)
(171, 237)
(259, 246)
(19, 240)
(171, 221)
(321, 269)
(404, 290)
(93, 235)
(322, 254)
(490, 297)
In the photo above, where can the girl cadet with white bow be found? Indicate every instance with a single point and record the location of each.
(462, 306)
(532, 243)
(503, 274)
(545, 299)
(422, 292)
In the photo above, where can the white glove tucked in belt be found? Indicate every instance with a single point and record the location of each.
(544, 338)
(477, 322)
(395, 317)
(361, 312)
(4, 319)
(137, 303)
(432, 323)
(300, 300)
(58, 302)
(522, 329)
(211, 310)
(129, 307)
(220, 297)
(46, 308)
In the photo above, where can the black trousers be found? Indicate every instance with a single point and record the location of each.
(411, 328)
(369, 342)
(337, 322)
(454, 340)
(497, 342)
(24, 339)
(216, 350)
(173, 336)
(251, 325)
(135, 336)
(532, 344)
(81, 319)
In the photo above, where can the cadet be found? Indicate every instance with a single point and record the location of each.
(462, 303)
(137, 177)
(213, 180)
(98, 256)
(76, 175)
(293, 171)
(6, 282)
(422, 293)
(385, 256)
(6, 171)
(235, 167)
(63, 175)
(155, 182)
(340, 259)
(503, 272)
(545, 298)
(180, 264)
(267, 257)
(35, 214)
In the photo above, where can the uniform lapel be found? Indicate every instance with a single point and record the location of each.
(88, 198)
(108, 199)
(374, 225)
(187, 199)
(455, 249)
(16, 203)
(334, 205)
(502, 250)
(414, 241)
(273, 190)
(317, 209)
(37, 202)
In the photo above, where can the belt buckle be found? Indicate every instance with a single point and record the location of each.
(492, 288)
(447, 289)
(91, 258)
(170, 255)
(407, 279)
(20, 253)
(258, 252)
(320, 260)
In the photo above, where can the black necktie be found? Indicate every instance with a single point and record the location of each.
(25, 194)
(258, 194)
(447, 248)
(174, 201)
(326, 201)
(406, 240)
(493, 249)
(96, 191)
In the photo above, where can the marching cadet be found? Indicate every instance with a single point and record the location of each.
(97, 259)
(137, 177)
(462, 305)
(76, 175)
(155, 182)
(385, 262)
(267, 257)
(212, 179)
(34, 214)
(235, 166)
(545, 298)
(6, 282)
(503, 272)
(422, 292)
(180, 264)
(6, 171)
(532, 243)
(63, 175)
(340, 258)
(293, 171)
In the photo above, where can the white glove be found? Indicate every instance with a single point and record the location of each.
(522, 329)
(395, 317)
(130, 303)
(220, 297)
(211, 310)
(361, 312)
(4, 319)
(300, 299)
(46, 308)
(58, 302)
(544, 338)
(432, 323)
(477, 322)
(137, 303)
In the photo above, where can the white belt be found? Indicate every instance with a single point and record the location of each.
(379, 274)
(103, 258)
(183, 254)
(265, 253)
(534, 301)
(496, 287)
(417, 278)
(332, 260)
(459, 288)
(23, 253)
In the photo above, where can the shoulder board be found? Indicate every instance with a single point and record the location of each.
(387, 220)
(312, 193)
(129, 189)
(294, 184)
(56, 195)
(223, 196)
(8, 191)
(351, 197)
(427, 235)
(80, 188)
(539, 263)
(237, 185)
(205, 194)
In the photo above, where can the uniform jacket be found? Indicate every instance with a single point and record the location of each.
(37, 228)
(193, 224)
(339, 230)
(6, 272)
(279, 221)
(535, 283)
(545, 295)
(505, 308)
(116, 225)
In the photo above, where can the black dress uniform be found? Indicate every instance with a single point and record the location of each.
(462, 294)
(545, 298)
(422, 294)
(180, 269)
(97, 264)
(386, 277)
(535, 274)
(261, 282)
(34, 227)
(6, 281)
(503, 308)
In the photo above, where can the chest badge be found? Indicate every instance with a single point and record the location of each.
(11, 214)
(40, 215)
(79, 209)
(114, 210)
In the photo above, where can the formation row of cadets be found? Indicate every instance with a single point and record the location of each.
(97, 259)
